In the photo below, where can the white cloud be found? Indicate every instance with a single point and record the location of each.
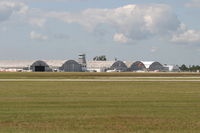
(185, 35)
(130, 22)
(193, 4)
(137, 22)
(188, 36)
(121, 38)
(37, 36)
(9, 8)
(46, 0)
(134, 22)
(40, 22)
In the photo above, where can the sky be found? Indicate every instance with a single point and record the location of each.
(130, 30)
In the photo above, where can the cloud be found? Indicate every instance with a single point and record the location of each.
(133, 22)
(37, 36)
(47, 0)
(121, 38)
(40, 22)
(188, 36)
(9, 8)
(153, 49)
(193, 4)
(129, 23)
(185, 35)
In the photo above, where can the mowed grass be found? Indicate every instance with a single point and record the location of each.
(99, 107)
(87, 75)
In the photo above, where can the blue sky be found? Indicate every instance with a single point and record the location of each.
(165, 31)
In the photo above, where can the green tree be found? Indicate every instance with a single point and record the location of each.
(100, 58)
(184, 68)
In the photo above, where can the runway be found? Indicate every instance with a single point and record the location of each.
(99, 80)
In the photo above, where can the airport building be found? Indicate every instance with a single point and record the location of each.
(84, 66)
(41, 66)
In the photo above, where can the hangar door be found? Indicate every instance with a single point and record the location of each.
(39, 68)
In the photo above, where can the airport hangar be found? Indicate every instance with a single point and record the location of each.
(83, 66)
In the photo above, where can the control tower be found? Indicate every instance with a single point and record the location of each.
(82, 61)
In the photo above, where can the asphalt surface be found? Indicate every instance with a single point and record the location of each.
(100, 80)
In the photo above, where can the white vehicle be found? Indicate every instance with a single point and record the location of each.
(113, 70)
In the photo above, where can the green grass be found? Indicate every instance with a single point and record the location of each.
(62, 75)
(99, 107)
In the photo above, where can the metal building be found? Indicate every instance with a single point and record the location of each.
(153, 65)
(137, 66)
(103, 66)
(40, 66)
(71, 66)
(146, 66)
(119, 66)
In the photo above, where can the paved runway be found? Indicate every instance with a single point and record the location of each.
(155, 77)
(99, 80)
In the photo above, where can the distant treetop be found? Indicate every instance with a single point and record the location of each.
(100, 58)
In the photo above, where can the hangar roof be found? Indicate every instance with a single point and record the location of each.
(146, 63)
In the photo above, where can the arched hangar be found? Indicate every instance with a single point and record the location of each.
(56, 65)
(153, 66)
(40, 66)
(119, 66)
(137, 66)
(146, 66)
(71, 66)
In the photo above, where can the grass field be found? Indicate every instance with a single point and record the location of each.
(98, 107)
(82, 75)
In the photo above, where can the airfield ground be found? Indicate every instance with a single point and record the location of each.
(57, 75)
(100, 106)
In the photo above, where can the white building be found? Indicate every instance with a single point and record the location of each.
(172, 68)
(103, 66)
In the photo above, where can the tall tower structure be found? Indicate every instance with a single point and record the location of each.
(82, 61)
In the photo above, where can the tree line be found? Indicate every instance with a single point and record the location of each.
(191, 68)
